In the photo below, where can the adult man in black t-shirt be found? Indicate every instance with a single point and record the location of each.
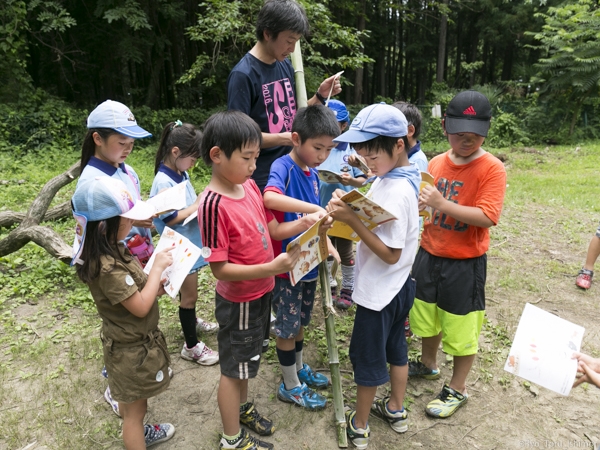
(262, 83)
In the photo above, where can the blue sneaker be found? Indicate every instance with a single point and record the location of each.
(311, 378)
(302, 396)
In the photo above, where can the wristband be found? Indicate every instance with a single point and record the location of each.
(320, 97)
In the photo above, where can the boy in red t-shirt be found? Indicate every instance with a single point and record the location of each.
(450, 267)
(236, 231)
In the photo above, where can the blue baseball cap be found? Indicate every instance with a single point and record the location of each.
(104, 197)
(375, 120)
(341, 113)
(116, 116)
(101, 198)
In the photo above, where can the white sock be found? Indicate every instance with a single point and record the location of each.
(290, 376)
(299, 362)
(348, 277)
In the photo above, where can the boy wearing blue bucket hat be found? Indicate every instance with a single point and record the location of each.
(352, 177)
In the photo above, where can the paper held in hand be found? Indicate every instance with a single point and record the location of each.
(327, 176)
(313, 250)
(426, 180)
(185, 254)
(170, 199)
(369, 212)
(543, 348)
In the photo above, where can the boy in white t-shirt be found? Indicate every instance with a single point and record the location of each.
(384, 290)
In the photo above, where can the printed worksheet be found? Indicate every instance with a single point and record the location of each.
(185, 254)
(327, 176)
(313, 250)
(170, 199)
(369, 212)
(542, 350)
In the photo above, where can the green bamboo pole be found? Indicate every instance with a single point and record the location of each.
(329, 312)
(296, 55)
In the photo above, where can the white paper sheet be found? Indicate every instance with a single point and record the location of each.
(542, 350)
(185, 254)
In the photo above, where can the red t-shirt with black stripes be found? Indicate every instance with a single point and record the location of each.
(236, 231)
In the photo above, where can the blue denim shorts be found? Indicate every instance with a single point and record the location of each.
(292, 305)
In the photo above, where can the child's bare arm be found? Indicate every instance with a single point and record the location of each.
(342, 212)
(285, 230)
(471, 215)
(139, 304)
(280, 202)
(185, 213)
(349, 180)
(331, 250)
(226, 271)
(588, 369)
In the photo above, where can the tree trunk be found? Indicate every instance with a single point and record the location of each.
(9, 218)
(441, 60)
(29, 230)
(358, 80)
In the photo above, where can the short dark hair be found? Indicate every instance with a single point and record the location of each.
(412, 114)
(315, 121)
(281, 15)
(381, 143)
(230, 131)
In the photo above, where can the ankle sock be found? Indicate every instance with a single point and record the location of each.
(232, 440)
(287, 361)
(299, 362)
(187, 317)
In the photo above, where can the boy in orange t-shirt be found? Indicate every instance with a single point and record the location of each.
(450, 267)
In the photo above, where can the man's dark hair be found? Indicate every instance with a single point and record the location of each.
(412, 114)
(381, 143)
(315, 121)
(281, 15)
(230, 131)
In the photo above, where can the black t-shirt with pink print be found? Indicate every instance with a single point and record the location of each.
(266, 92)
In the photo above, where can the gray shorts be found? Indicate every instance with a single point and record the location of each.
(598, 232)
(293, 306)
(241, 331)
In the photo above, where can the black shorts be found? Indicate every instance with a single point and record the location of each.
(457, 286)
(241, 332)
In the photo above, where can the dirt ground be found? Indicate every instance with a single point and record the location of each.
(534, 266)
(533, 258)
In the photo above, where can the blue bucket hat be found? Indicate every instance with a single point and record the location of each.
(341, 113)
(373, 121)
(118, 117)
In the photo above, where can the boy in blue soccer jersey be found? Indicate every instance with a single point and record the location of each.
(291, 192)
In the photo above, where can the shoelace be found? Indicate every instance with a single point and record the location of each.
(154, 431)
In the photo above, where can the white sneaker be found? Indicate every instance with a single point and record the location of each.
(201, 354)
(206, 327)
